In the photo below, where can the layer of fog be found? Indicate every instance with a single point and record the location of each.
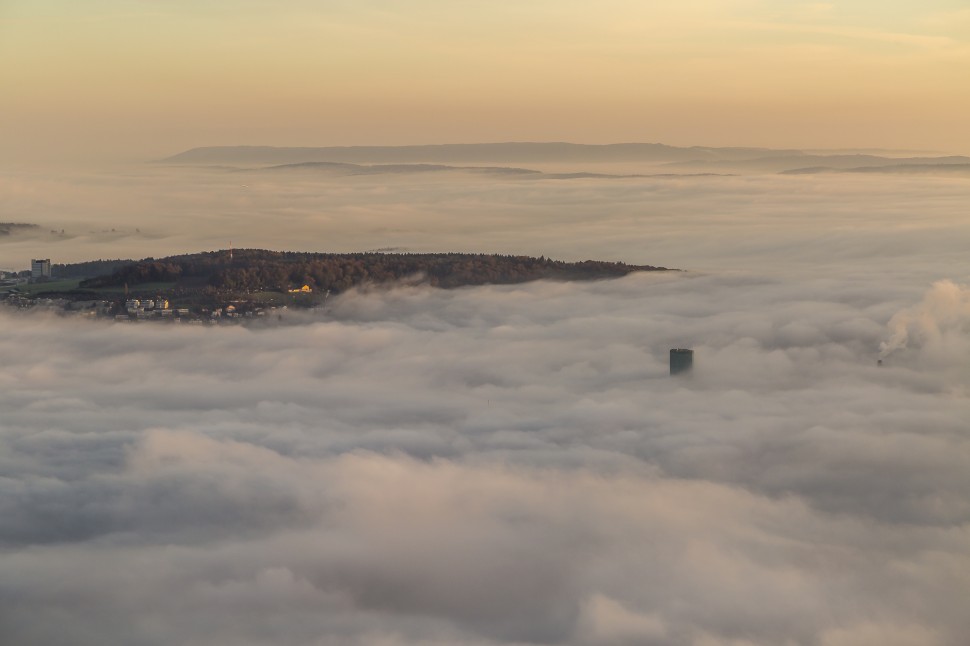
(503, 465)
(824, 224)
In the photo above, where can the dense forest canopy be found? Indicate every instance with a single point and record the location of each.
(89, 268)
(260, 270)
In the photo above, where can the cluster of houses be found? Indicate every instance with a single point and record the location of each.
(231, 312)
(159, 309)
(144, 309)
(131, 309)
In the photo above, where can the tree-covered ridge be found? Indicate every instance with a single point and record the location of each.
(89, 268)
(261, 270)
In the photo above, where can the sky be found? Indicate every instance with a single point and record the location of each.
(111, 79)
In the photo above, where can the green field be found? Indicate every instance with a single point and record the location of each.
(140, 288)
(51, 286)
(194, 300)
(68, 285)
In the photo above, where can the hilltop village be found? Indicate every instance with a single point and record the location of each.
(44, 288)
(238, 285)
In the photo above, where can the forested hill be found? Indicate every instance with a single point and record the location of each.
(259, 270)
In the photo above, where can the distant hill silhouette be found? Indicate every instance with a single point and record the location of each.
(465, 153)
(951, 168)
(502, 157)
(786, 163)
(378, 169)
(250, 270)
(346, 169)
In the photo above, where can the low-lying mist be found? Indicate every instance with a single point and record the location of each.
(502, 464)
(824, 224)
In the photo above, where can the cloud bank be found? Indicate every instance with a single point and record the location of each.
(500, 465)
(939, 325)
(496, 465)
(909, 229)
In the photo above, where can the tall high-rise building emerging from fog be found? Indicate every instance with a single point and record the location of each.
(681, 361)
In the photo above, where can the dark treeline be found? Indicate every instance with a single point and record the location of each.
(259, 270)
(89, 268)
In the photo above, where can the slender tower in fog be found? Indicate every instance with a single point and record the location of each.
(681, 361)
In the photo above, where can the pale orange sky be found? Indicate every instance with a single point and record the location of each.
(140, 79)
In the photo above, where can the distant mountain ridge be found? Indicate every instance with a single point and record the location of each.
(466, 153)
(344, 168)
(787, 163)
(497, 157)
(378, 169)
(948, 168)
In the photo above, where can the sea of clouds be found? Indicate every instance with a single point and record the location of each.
(503, 464)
